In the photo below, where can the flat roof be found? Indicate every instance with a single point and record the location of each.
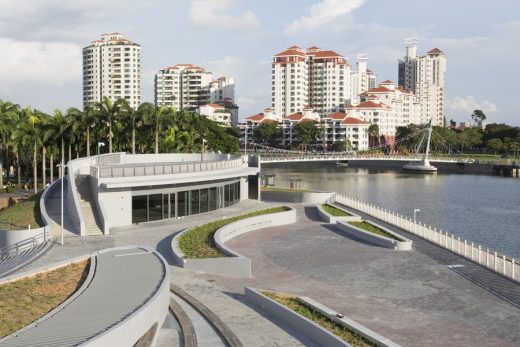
(177, 178)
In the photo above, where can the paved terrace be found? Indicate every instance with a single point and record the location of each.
(113, 294)
(405, 296)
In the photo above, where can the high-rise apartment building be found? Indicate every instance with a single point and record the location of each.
(311, 78)
(112, 68)
(188, 86)
(361, 80)
(425, 77)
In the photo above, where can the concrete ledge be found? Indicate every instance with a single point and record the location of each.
(306, 327)
(383, 241)
(348, 323)
(236, 265)
(297, 197)
(327, 217)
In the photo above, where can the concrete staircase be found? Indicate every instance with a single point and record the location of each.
(88, 206)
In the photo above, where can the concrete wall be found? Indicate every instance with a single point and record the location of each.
(474, 168)
(297, 197)
(386, 242)
(236, 265)
(116, 206)
(299, 323)
(170, 157)
(327, 217)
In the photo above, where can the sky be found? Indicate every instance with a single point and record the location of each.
(41, 43)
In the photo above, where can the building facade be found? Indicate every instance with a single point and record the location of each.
(425, 77)
(112, 68)
(188, 87)
(361, 80)
(314, 78)
(218, 113)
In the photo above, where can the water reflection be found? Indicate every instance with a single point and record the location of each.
(482, 209)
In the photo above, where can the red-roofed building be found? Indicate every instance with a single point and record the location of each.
(104, 62)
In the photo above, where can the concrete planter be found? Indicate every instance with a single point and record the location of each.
(327, 217)
(404, 245)
(297, 197)
(306, 327)
(236, 265)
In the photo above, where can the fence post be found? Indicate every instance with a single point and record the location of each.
(513, 268)
(472, 248)
(459, 244)
(487, 257)
(504, 259)
(479, 252)
(495, 262)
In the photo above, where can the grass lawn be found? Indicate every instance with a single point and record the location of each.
(374, 230)
(287, 190)
(26, 300)
(198, 243)
(336, 212)
(338, 330)
(20, 215)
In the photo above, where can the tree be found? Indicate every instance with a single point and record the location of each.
(373, 135)
(342, 146)
(85, 121)
(266, 132)
(29, 133)
(8, 118)
(453, 123)
(495, 144)
(157, 120)
(478, 117)
(109, 111)
(306, 132)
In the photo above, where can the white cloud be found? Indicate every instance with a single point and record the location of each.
(322, 13)
(468, 104)
(52, 63)
(209, 13)
(227, 66)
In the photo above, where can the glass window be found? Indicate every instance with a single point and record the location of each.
(182, 201)
(231, 194)
(226, 195)
(194, 201)
(172, 206)
(212, 199)
(155, 208)
(203, 200)
(139, 209)
(166, 212)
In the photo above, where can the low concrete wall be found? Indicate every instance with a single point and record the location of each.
(299, 323)
(297, 197)
(386, 242)
(327, 217)
(236, 265)
(348, 323)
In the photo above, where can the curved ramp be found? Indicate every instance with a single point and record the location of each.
(128, 294)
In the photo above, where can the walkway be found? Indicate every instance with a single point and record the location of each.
(405, 296)
(497, 284)
(113, 294)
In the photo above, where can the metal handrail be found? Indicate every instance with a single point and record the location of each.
(17, 247)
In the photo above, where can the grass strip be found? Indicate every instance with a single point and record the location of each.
(334, 211)
(342, 332)
(28, 299)
(286, 190)
(198, 243)
(22, 214)
(374, 230)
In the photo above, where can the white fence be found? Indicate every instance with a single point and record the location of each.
(490, 259)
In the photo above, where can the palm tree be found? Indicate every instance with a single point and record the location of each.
(373, 134)
(157, 120)
(134, 119)
(84, 121)
(28, 131)
(188, 141)
(109, 112)
(61, 128)
(8, 116)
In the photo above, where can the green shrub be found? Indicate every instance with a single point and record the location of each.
(198, 243)
(374, 230)
(334, 211)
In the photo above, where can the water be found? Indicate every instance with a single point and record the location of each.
(482, 209)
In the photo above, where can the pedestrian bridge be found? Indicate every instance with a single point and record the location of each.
(334, 157)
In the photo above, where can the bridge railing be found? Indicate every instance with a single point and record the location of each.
(493, 260)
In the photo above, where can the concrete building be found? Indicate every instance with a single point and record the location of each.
(121, 189)
(112, 68)
(218, 114)
(313, 77)
(340, 126)
(425, 77)
(289, 123)
(188, 86)
(361, 80)
(246, 129)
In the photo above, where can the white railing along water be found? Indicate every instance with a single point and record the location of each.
(497, 262)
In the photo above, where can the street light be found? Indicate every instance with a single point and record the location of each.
(202, 153)
(100, 144)
(415, 212)
(62, 166)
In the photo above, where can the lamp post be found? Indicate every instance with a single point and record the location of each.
(62, 167)
(202, 153)
(100, 144)
(415, 212)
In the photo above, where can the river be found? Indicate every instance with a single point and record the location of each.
(482, 209)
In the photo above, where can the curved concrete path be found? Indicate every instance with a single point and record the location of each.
(124, 281)
(405, 296)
